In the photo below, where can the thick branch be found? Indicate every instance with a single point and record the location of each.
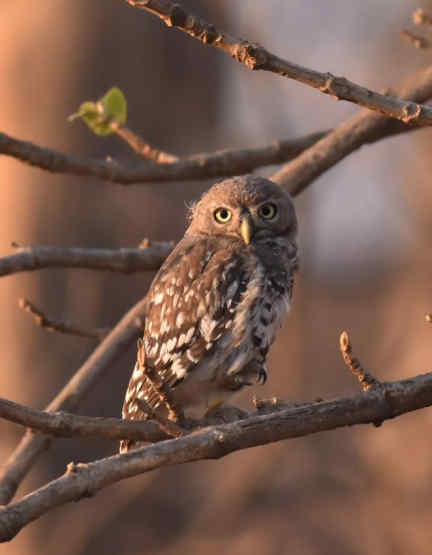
(255, 57)
(130, 260)
(365, 127)
(224, 163)
(94, 368)
(83, 480)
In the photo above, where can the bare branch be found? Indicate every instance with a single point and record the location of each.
(224, 163)
(61, 327)
(84, 480)
(143, 149)
(255, 57)
(63, 424)
(363, 128)
(129, 260)
(94, 368)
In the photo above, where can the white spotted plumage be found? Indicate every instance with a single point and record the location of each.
(216, 304)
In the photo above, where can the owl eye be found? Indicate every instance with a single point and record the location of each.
(267, 211)
(222, 215)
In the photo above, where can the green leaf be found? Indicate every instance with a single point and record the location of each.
(100, 115)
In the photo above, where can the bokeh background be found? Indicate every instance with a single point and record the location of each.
(365, 232)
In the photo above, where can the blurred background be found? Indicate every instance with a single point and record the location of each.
(365, 234)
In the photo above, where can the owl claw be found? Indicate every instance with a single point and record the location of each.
(262, 375)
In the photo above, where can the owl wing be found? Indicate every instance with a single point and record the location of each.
(191, 304)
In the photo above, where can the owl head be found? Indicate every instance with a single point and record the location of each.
(247, 207)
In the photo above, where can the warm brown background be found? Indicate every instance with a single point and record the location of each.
(366, 250)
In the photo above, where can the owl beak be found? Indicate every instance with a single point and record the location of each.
(246, 229)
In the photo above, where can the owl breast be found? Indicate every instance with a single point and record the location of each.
(263, 308)
(239, 356)
(263, 293)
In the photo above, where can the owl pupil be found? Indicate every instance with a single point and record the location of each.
(267, 211)
(222, 215)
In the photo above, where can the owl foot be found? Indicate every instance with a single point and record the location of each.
(168, 425)
(223, 414)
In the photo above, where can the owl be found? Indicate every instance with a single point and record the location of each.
(215, 305)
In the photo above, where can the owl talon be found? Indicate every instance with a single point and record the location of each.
(262, 375)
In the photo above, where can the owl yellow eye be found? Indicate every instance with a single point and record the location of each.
(267, 211)
(222, 215)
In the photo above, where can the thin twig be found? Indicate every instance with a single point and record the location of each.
(367, 381)
(141, 147)
(415, 40)
(256, 57)
(224, 163)
(84, 480)
(60, 327)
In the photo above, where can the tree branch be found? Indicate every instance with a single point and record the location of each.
(255, 57)
(312, 154)
(129, 260)
(83, 480)
(63, 424)
(60, 327)
(224, 163)
(94, 368)
(363, 128)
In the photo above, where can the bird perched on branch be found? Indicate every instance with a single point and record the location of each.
(215, 305)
